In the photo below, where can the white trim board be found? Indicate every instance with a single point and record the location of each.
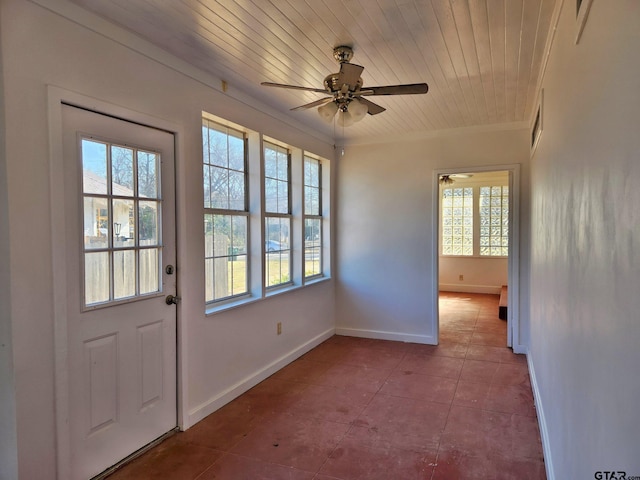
(513, 314)
(542, 422)
(417, 136)
(382, 335)
(452, 287)
(218, 401)
(56, 97)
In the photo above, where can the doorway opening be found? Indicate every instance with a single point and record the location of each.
(476, 252)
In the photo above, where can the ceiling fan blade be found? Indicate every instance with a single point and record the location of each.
(461, 175)
(349, 74)
(411, 89)
(317, 103)
(294, 87)
(374, 108)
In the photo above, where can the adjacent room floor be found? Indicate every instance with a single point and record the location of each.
(360, 409)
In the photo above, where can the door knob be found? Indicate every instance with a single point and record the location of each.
(172, 300)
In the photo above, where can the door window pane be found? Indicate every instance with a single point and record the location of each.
(148, 181)
(122, 171)
(96, 223)
(123, 223)
(148, 223)
(124, 274)
(94, 167)
(96, 277)
(149, 268)
(119, 219)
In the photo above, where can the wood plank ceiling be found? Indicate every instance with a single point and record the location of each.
(481, 58)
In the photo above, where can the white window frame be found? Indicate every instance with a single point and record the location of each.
(256, 215)
(311, 216)
(280, 215)
(216, 211)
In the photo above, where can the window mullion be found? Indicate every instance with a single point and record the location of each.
(476, 221)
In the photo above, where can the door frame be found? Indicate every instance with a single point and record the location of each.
(513, 262)
(56, 97)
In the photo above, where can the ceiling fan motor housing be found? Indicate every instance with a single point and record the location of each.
(332, 83)
(343, 54)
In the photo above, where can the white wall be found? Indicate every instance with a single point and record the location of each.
(385, 226)
(585, 266)
(221, 354)
(480, 275)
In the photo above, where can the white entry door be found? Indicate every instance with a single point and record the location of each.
(121, 336)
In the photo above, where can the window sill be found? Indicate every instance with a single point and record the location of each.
(484, 257)
(212, 309)
(315, 280)
(224, 306)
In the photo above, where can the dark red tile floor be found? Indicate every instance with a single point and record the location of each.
(361, 409)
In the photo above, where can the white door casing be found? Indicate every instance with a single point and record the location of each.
(121, 334)
(513, 266)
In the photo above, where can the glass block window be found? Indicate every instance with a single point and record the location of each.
(457, 221)
(494, 221)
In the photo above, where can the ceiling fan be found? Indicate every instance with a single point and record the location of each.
(347, 94)
(448, 179)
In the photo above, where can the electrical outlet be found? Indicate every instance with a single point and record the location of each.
(279, 328)
(461, 277)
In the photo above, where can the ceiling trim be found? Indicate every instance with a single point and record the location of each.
(551, 35)
(416, 136)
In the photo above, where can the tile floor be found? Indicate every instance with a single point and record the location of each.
(359, 409)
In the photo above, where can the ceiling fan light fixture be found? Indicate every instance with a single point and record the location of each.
(358, 110)
(345, 119)
(328, 111)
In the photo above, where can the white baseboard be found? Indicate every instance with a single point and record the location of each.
(452, 287)
(542, 423)
(381, 335)
(522, 349)
(218, 401)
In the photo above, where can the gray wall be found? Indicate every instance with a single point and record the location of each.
(585, 267)
(8, 440)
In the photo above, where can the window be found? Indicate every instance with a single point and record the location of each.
(312, 217)
(475, 220)
(226, 213)
(494, 221)
(121, 222)
(277, 200)
(457, 221)
(266, 215)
